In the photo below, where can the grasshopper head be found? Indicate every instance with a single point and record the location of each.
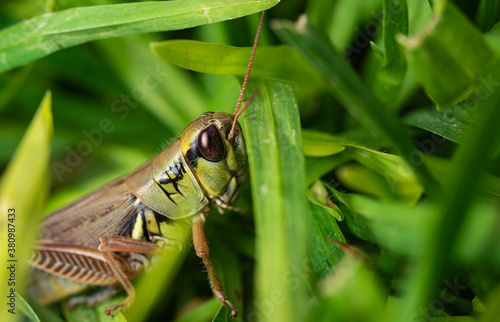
(220, 163)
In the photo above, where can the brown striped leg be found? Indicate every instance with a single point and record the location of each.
(201, 246)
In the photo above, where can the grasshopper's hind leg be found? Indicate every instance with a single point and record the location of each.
(111, 244)
(201, 246)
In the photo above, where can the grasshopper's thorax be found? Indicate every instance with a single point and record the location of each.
(220, 165)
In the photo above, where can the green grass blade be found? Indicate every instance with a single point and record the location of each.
(400, 177)
(324, 253)
(45, 34)
(24, 187)
(202, 313)
(278, 62)
(470, 164)
(280, 206)
(390, 78)
(452, 45)
(349, 89)
(451, 124)
(26, 309)
(488, 14)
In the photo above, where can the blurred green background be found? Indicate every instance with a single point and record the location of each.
(395, 212)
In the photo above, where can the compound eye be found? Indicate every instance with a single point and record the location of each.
(210, 144)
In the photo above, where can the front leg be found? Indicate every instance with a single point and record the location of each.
(202, 250)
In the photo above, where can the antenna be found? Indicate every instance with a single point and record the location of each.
(238, 112)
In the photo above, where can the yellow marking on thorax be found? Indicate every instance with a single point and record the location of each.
(137, 231)
(151, 223)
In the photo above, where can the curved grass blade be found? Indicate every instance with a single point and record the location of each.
(451, 123)
(26, 309)
(277, 62)
(45, 34)
(24, 187)
(324, 253)
(400, 177)
(280, 205)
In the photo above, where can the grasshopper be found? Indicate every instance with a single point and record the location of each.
(109, 236)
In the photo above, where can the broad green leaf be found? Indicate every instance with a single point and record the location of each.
(452, 45)
(390, 78)
(280, 206)
(349, 89)
(45, 34)
(24, 188)
(277, 62)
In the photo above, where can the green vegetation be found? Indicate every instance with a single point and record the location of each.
(373, 146)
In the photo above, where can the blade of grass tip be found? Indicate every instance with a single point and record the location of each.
(23, 190)
(469, 167)
(278, 193)
(42, 35)
(26, 309)
(349, 89)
